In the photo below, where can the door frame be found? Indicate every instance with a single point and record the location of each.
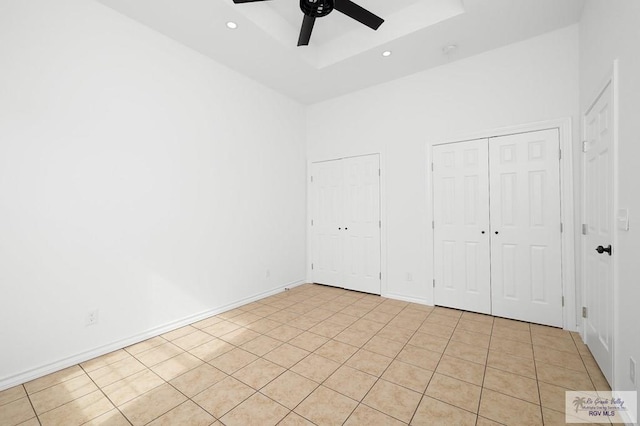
(612, 80)
(383, 217)
(570, 318)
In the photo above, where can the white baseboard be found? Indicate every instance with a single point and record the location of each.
(43, 370)
(406, 298)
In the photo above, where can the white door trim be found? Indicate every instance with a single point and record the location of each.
(570, 312)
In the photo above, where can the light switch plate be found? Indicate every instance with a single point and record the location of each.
(623, 219)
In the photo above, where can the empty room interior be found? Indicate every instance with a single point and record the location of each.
(298, 212)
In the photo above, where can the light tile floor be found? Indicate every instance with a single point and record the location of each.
(326, 356)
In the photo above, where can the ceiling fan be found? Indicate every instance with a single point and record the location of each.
(313, 9)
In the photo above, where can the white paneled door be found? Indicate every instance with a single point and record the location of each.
(461, 231)
(497, 229)
(598, 208)
(526, 269)
(346, 223)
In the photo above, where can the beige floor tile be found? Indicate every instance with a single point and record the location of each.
(422, 358)
(152, 404)
(461, 369)
(336, 351)
(233, 360)
(443, 331)
(508, 410)
(174, 367)
(406, 323)
(559, 376)
(211, 349)
(180, 332)
(477, 317)
(103, 360)
(145, 345)
(471, 338)
(475, 326)
(16, 411)
(110, 418)
(245, 319)
(393, 400)
(264, 325)
(342, 319)
(35, 422)
(369, 362)
(57, 395)
(193, 340)
(240, 336)
(350, 382)
(315, 367)
(207, 322)
(396, 334)
(519, 335)
(407, 375)
(320, 313)
(467, 352)
(187, 413)
(434, 412)
(117, 371)
(486, 422)
(284, 333)
(552, 396)
(326, 407)
(365, 415)
(557, 343)
(509, 323)
(53, 379)
(453, 313)
(308, 341)
(537, 329)
(289, 389)
(512, 384)
(256, 410)
(158, 354)
(223, 396)
(511, 347)
(231, 313)
(384, 346)
(598, 380)
(259, 373)
(327, 329)
(367, 326)
(429, 341)
(303, 322)
(200, 378)
(12, 394)
(441, 320)
(286, 355)
(261, 345)
(569, 360)
(379, 316)
(221, 328)
(293, 419)
(79, 411)
(512, 364)
(455, 392)
(355, 311)
(131, 387)
(354, 337)
(284, 316)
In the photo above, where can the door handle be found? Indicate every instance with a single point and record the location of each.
(601, 249)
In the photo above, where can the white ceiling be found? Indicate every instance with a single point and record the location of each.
(344, 55)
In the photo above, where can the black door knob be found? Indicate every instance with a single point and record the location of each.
(601, 249)
(496, 232)
(483, 232)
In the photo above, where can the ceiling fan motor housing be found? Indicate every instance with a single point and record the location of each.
(316, 8)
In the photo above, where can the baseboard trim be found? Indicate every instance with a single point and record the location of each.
(406, 298)
(43, 370)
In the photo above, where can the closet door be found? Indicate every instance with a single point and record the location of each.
(346, 223)
(461, 226)
(524, 185)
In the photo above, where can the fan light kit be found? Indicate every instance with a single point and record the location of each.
(313, 9)
(232, 25)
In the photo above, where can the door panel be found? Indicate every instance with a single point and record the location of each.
(526, 276)
(346, 223)
(598, 207)
(461, 214)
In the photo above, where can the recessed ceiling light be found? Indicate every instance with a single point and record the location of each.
(232, 25)
(386, 53)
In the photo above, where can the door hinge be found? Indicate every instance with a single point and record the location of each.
(380, 275)
(563, 301)
(584, 312)
(311, 179)
(560, 154)
(312, 266)
(434, 283)
(585, 229)
(379, 172)
(431, 166)
(311, 222)
(561, 227)
(379, 224)
(433, 224)
(585, 146)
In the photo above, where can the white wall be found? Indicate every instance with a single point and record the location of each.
(610, 30)
(526, 82)
(137, 177)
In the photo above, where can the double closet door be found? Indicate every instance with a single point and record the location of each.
(345, 223)
(497, 229)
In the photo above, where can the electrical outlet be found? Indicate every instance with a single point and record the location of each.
(92, 317)
(632, 370)
(287, 289)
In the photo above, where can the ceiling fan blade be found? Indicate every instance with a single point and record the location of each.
(305, 31)
(358, 13)
(246, 1)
